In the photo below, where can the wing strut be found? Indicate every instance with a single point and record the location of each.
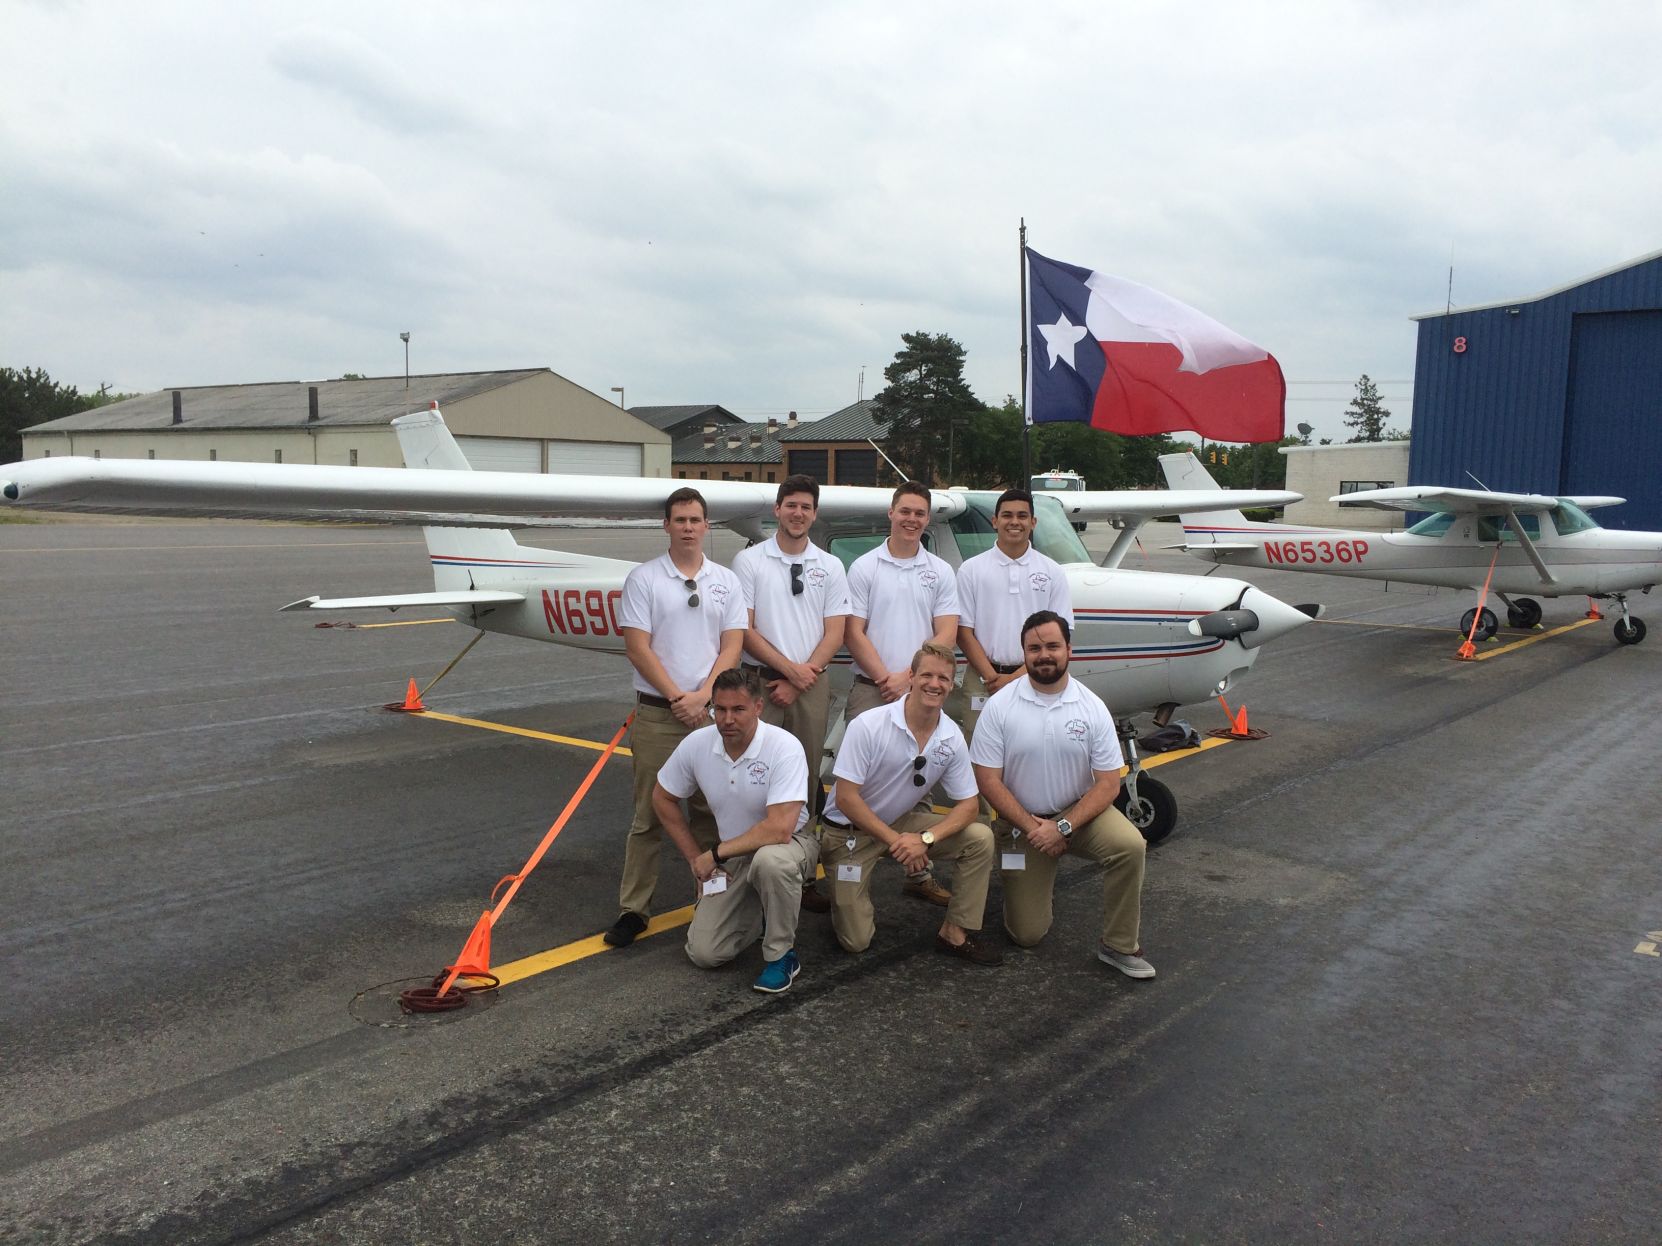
(1529, 549)
(1122, 543)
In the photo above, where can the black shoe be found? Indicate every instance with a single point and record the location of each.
(813, 901)
(971, 949)
(625, 930)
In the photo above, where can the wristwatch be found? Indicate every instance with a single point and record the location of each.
(1064, 826)
(928, 838)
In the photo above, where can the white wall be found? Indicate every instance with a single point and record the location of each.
(1318, 472)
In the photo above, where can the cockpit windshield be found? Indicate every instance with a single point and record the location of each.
(1053, 536)
(1570, 518)
(1432, 525)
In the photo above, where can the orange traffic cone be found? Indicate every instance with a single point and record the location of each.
(1593, 609)
(475, 960)
(412, 701)
(1237, 729)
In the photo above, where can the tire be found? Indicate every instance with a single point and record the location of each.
(1523, 613)
(1486, 628)
(1629, 631)
(1155, 814)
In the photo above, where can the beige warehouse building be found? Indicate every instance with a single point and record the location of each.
(525, 420)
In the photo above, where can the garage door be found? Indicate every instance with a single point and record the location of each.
(594, 458)
(502, 454)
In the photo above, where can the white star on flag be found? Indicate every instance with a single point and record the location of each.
(1061, 338)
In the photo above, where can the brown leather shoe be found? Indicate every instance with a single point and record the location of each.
(927, 888)
(813, 901)
(971, 949)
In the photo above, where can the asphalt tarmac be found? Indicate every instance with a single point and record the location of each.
(1403, 993)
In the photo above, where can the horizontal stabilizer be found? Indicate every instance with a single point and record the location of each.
(397, 601)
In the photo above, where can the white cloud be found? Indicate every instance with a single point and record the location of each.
(747, 202)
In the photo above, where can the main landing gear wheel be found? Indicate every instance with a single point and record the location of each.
(1155, 811)
(1630, 631)
(1524, 613)
(1487, 626)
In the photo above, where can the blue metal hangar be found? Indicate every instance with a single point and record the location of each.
(1559, 393)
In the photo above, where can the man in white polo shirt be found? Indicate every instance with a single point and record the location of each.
(1048, 760)
(891, 758)
(902, 597)
(997, 590)
(683, 621)
(797, 595)
(753, 774)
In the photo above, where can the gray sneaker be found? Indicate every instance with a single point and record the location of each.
(1131, 964)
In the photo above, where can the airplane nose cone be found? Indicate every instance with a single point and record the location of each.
(1275, 617)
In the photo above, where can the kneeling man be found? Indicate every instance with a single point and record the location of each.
(1048, 760)
(754, 777)
(891, 757)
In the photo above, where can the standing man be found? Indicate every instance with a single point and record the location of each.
(1048, 760)
(890, 759)
(683, 623)
(997, 590)
(750, 882)
(903, 597)
(797, 595)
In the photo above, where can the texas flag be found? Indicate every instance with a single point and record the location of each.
(1127, 359)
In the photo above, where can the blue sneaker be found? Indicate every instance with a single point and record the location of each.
(777, 975)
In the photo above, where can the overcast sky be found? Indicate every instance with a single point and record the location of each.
(746, 203)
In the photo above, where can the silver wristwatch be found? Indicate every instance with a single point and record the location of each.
(1064, 826)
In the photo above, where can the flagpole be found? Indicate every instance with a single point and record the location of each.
(1026, 417)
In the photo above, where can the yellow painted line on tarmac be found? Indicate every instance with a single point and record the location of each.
(1530, 640)
(1407, 627)
(596, 745)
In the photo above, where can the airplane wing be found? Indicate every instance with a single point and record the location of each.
(1454, 501)
(395, 495)
(1118, 505)
(1592, 503)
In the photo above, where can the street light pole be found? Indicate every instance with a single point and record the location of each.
(405, 338)
(618, 390)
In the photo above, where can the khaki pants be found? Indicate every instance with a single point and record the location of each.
(958, 704)
(851, 909)
(1110, 841)
(652, 739)
(861, 697)
(805, 719)
(766, 885)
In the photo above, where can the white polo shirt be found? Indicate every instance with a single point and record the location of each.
(996, 594)
(772, 771)
(793, 623)
(687, 639)
(900, 599)
(878, 751)
(1048, 746)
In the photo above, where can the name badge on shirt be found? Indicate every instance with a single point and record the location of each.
(715, 884)
(848, 872)
(1013, 860)
(977, 704)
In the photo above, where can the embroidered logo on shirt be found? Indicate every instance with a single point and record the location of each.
(718, 593)
(1040, 580)
(942, 753)
(815, 577)
(758, 773)
(1078, 729)
(928, 577)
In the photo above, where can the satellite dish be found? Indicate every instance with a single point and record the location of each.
(1304, 430)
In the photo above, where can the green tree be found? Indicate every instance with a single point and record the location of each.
(927, 406)
(1366, 413)
(988, 455)
(28, 397)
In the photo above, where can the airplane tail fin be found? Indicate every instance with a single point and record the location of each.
(1184, 471)
(455, 552)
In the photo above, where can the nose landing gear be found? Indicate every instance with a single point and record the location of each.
(1147, 803)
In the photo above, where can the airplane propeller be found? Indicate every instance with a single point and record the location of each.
(1255, 619)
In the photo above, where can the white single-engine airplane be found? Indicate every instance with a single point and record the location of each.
(1145, 642)
(1535, 544)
